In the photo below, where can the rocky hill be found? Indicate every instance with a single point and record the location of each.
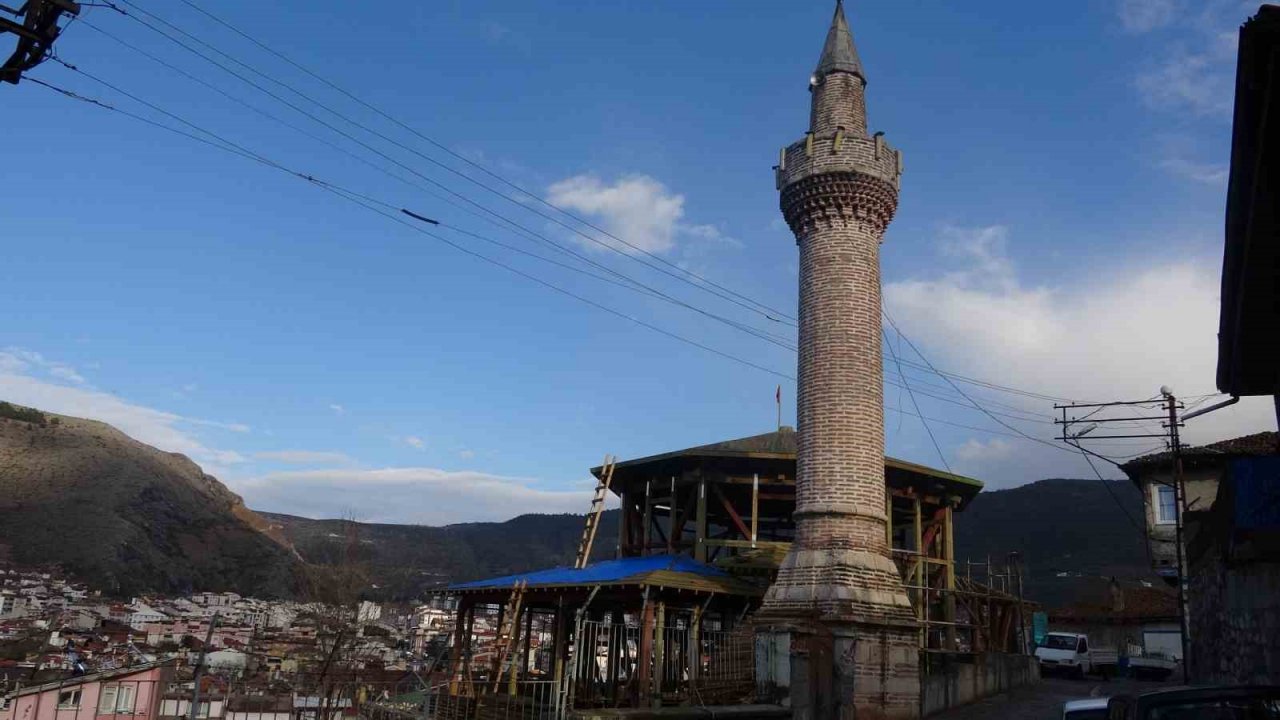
(126, 517)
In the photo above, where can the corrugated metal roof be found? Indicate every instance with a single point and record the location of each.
(676, 571)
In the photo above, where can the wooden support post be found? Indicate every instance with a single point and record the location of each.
(660, 653)
(644, 659)
(647, 518)
(624, 538)
(671, 518)
(616, 638)
(461, 638)
(888, 518)
(558, 648)
(700, 521)
(922, 598)
(755, 508)
(949, 550)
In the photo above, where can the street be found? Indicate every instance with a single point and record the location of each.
(1043, 701)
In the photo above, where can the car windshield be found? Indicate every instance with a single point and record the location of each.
(1060, 642)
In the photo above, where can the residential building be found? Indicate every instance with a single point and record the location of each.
(110, 695)
(1203, 469)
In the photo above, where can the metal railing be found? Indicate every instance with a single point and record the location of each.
(476, 700)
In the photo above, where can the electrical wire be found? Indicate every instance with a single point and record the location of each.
(389, 211)
(916, 404)
(480, 167)
(624, 280)
(441, 146)
(768, 314)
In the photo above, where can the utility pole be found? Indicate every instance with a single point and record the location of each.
(195, 691)
(1180, 505)
(1170, 423)
(36, 33)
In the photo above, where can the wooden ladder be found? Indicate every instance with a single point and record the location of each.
(593, 515)
(507, 638)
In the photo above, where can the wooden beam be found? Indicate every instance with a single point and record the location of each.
(712, 542)
(647, 519)
(700, 523)
(888, 519)
(733, 514)
(755, 509)
(671, 519)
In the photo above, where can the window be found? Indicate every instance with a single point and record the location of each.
(68, 699)
(1084, 645)
(116, 699)
(1165, 504)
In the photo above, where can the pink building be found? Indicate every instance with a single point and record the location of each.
(126, 694)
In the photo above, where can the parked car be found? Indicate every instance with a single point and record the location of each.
(1087, 709)
(1205, 703)
(1071, 653)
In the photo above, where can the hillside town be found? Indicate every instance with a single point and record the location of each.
(254, 653)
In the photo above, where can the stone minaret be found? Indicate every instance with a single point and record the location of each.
(839, 190)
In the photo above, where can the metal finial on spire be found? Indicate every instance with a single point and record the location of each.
(839, 54)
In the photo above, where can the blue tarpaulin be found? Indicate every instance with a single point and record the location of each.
(1257, 488)
(608, 571)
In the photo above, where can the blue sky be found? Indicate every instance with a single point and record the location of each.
(1059, 230)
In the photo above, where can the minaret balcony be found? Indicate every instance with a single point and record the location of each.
(838, 152)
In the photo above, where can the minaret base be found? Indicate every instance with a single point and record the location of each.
(840, 637)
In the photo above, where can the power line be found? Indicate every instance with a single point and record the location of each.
(465, 159)
(763, 335)
(592, 238)
(372, 205)
(1107, 486)
(973, 402)
(912, 395)
(628, 282)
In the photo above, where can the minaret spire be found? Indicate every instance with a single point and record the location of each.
(839, 53)
(838, 84)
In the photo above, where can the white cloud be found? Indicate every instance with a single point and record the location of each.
(21, 383)
(1208, 173)
(406, 494)
(1115, 334)
(304, 457)
(466, 454)
(414, 441)
(1141, 16)
(338, 409)
(636, 208)
(1196, 74)
(980, 452)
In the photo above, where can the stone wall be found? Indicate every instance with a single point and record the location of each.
(958, 680)
(1235, 619)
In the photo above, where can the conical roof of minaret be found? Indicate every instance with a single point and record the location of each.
(839, 54)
